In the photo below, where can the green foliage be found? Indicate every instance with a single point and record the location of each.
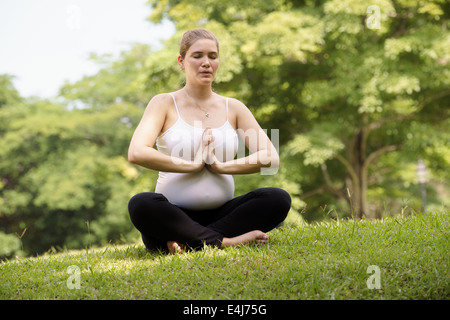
(355, 108)
(8, 94)
(343, 94)
(69, 168)
(118, 80)
(318, 146)
(9, 245)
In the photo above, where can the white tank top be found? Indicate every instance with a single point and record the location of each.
(200, 190)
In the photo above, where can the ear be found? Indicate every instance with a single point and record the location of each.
(180, 63)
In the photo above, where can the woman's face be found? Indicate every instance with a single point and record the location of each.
(201, 62)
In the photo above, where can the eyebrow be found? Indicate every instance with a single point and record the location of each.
(203, 52)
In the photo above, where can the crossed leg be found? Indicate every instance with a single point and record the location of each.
(242, 220)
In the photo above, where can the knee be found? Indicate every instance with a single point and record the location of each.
(136, 202)
(143, 202)
(283, 200)
(280, 201)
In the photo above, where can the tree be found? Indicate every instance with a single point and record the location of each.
(117, 80)
(356, 106)
(345, 91)
(64, 175)
(8, 94)
(377, 86)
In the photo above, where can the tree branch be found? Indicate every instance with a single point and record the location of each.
(322, 190)
(329, 184)
(376, 154)
(400, 117)
(378, 124)
(326, 175)
(433, 97)
(349, 168)
(319, 190)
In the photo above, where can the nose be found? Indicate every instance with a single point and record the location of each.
(205, 62)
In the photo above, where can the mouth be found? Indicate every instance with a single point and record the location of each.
(205, 73)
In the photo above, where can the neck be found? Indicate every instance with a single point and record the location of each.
(198, 92)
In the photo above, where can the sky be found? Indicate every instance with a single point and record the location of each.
(44, 43)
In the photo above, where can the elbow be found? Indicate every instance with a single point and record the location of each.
(272, 165)
(133, 156)
(271, 160)
(275, 163)
(274, 158)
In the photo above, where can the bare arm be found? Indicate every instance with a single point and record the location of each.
(141, 151)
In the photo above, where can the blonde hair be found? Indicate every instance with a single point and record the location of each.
(190, 36)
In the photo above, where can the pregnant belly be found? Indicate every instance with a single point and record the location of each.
(196, 191)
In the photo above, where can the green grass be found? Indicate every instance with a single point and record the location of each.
(321, 261)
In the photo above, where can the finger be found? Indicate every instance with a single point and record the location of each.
(206, 137)
(210, 159)
(209, 139)
(212, 154)
(207, 131)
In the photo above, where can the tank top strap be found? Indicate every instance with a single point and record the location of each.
(227, 107)
(176, 107)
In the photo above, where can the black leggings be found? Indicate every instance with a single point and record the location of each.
(160, 221)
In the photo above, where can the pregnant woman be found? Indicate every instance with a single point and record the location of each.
(196, 133)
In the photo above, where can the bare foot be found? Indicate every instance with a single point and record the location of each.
(174, 247)
(252, 236)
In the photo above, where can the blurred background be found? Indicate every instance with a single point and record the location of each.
(359, 91)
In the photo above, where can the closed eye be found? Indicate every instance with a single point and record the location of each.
(198, 55)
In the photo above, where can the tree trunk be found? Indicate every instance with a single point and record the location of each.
(357, 164)
(358, 168)
(358, 186)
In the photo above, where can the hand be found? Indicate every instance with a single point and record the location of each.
(213, 164)
(202, 153)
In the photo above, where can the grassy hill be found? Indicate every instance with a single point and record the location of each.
(393, 258)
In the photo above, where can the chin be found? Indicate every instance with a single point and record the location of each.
(205, 81)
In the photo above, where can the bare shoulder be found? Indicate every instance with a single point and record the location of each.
(236, 104)
(160, 101)
(238, 107)
(240, 115)
(154, 118)
(158, 106)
